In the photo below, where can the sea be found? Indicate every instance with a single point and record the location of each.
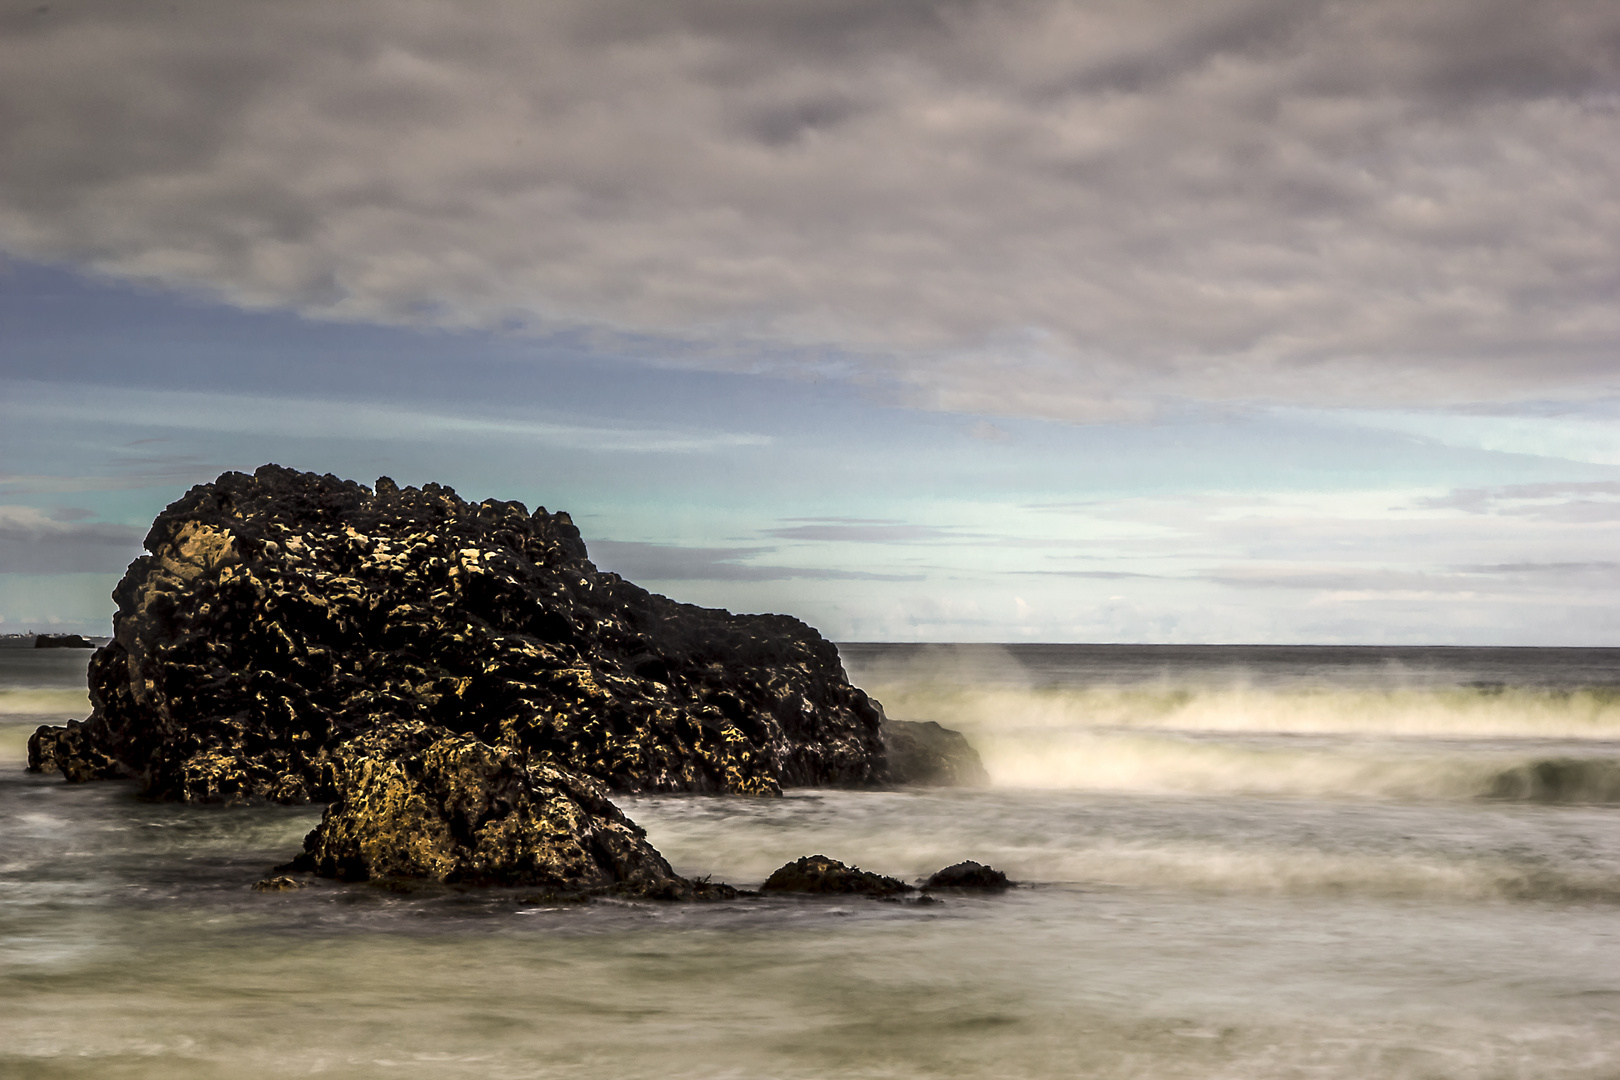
(1244, 862)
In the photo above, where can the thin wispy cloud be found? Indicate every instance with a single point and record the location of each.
(674, 562)
(1365, 579)
(863, 533)
(363, 420)
(1573, 502)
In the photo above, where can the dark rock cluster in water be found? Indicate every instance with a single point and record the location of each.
(818, 874)
(457, 680)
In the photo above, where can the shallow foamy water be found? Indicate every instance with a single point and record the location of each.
(1176, 922)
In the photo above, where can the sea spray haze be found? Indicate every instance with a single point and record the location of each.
(1410, 722)
(1252, 909)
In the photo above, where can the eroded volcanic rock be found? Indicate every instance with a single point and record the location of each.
(282, 616)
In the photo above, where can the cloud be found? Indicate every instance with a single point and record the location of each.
(1553, 568)
(33, 541)
(1096, 575)
(856, 531)
(672, 562)
(1572, 429)
(1572, 502)
(312, 418)
(1018, 207)
(1370, 579)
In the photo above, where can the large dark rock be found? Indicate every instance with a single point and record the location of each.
(283, 615)
(922, 752)
(461, 685)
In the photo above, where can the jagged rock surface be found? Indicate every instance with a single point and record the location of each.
(283, 615)
(923, 752)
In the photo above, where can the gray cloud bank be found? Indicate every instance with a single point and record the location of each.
(1027, 207)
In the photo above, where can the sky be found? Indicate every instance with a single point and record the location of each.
(922, 320)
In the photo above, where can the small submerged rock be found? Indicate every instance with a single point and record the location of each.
(969, 875)
(819, 874)
(279, 883)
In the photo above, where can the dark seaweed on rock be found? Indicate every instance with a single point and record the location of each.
(283, 615)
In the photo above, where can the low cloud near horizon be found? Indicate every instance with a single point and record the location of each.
(1067, 210)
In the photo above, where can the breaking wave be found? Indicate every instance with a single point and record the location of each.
(1463, 711)
(1522, 744)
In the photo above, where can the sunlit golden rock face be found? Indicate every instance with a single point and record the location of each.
(417, 801)
(280, 616)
